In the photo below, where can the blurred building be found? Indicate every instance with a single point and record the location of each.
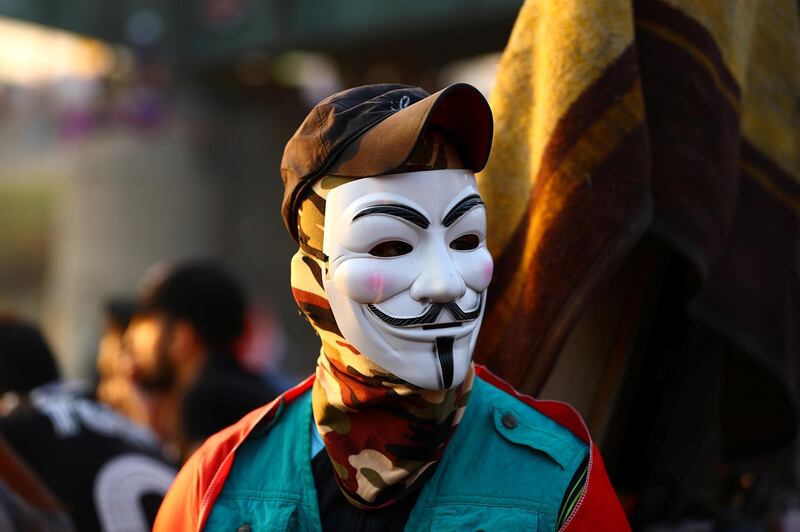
(135, 132)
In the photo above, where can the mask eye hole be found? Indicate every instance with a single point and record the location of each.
(391, 248)
(465, 242)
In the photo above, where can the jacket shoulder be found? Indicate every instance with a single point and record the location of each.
(199, 482)
(598, 508)
(521, 423)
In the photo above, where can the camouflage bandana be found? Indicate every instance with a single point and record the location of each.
(381, 433)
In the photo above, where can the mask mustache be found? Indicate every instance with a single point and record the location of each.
(431, 314)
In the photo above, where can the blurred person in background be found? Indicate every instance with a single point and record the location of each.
(26, 504)
(183, 345)
(26, 362)
(114, 366)
(109, 472)
(263, 347)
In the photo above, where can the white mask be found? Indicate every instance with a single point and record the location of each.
(408, 270)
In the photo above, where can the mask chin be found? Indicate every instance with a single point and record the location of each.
(438, 365)
(438, 362)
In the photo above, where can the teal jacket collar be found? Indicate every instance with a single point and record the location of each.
(192, 498)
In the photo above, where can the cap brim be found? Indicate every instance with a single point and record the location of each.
(460, 110)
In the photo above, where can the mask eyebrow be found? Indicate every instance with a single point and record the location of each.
(398, 211)
(461, 208)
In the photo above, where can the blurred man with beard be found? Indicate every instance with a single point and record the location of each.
(183, 343)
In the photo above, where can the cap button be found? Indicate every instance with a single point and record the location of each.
(509, 421)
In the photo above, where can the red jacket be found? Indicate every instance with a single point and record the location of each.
(191, 498)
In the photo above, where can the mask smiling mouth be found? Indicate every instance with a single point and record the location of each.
(427, 320)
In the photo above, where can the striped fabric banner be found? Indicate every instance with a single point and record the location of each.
(615, 117)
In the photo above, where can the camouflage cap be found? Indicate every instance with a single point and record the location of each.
(371, 130)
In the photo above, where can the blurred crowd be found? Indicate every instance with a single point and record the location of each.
(175, 364)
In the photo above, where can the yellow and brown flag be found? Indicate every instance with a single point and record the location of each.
(615, 117)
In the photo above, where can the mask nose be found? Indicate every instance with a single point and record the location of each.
(440, 280)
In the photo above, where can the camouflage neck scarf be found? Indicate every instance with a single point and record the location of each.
(381, 433)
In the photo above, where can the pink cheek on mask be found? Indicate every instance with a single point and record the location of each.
(375, 284)
(487, 270)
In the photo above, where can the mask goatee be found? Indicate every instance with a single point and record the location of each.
(444, 354)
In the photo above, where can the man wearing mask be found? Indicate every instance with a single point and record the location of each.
(398, 429)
